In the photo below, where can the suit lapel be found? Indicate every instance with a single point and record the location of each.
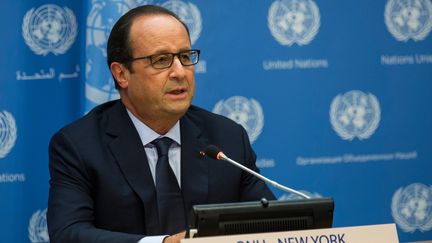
(194, 167)
(129, 152)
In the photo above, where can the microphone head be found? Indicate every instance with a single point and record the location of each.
(212, 151)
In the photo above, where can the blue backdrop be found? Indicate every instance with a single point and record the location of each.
(334, 96)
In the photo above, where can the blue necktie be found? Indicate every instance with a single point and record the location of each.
(169, 197)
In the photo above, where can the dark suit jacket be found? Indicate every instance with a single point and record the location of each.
(101, 185)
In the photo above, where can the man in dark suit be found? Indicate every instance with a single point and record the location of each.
(105, 167)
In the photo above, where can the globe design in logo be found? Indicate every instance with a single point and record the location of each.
(409, 19)
(38, 229)
(49, 28)
(8, 133)
(294, 21)
(412, 207)
(355, 114)
(99, 86)
(246, 112)
(189, 14)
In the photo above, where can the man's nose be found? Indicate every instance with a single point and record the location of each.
(177, 69)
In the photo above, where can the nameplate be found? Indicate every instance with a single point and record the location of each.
(383, 233)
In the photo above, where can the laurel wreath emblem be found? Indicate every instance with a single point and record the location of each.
(344, 133)
(68, 39)
(398, 217)
(253, 131)
(197, 22)
(281, 37)
(8, 133)
(400, 35)
(180, 8)
(35, 234)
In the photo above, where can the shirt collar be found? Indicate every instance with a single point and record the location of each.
(147, 135)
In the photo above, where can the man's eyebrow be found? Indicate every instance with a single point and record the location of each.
(164, 51)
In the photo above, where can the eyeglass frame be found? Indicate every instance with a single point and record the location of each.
(167, 53)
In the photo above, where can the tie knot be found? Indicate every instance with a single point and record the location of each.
(162, 145)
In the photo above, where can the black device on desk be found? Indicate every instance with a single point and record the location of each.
(261, 216)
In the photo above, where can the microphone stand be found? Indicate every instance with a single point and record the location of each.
(222, 156)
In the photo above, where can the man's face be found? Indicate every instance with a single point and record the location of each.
(158, 93)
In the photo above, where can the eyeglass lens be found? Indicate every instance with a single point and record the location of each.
(187, 58)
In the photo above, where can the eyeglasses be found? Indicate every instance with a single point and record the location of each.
(165, 60)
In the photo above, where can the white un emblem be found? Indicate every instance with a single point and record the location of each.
(8, 133)
(38, 229)
(99, 85)
(49, 28)
(408, 19)
(189, 14)
(412, 207)
(294, 21)
(355, 114)
(246, 112)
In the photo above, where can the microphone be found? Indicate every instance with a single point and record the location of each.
(215, 153)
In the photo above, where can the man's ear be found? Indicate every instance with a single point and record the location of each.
(120, 73)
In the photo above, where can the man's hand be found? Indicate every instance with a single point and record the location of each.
(175, 238)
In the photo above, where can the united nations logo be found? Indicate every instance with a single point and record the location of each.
(293, 21)
(411, 207)
(49, 28)
(408, 19)
(246, 112)
(355, 114)
(189, 14)
(99, 85)
(8, 133)
(38, 229)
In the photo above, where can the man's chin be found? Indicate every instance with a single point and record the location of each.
(179, 109)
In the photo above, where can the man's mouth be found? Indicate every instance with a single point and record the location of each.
(177, 91)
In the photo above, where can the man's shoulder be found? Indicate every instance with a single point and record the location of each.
(205, 118)
(91, 120)
(205, 115)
